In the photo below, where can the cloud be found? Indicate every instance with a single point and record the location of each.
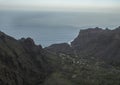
(60, 4)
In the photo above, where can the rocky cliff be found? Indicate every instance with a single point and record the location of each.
(98, 43)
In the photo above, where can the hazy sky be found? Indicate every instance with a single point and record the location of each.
(78, 5)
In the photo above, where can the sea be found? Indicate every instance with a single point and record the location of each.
(52, 27)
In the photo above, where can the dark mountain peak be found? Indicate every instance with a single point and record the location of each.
(1, 33)
(30, 46)
(21, 61)
(28, 41)
(103, 44)
(92, 30)
(87, 35)
(95, 29)
(4, 37)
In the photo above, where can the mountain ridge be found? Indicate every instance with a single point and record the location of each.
(93, 58)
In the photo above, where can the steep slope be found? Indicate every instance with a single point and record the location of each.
(98, 43)
(21, 62)
(95, 59)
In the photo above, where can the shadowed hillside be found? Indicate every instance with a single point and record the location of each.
(21, 62)
(93, 58)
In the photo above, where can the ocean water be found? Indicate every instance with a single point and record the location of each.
(47, 28)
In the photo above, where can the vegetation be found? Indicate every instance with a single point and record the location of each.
(93, 58)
